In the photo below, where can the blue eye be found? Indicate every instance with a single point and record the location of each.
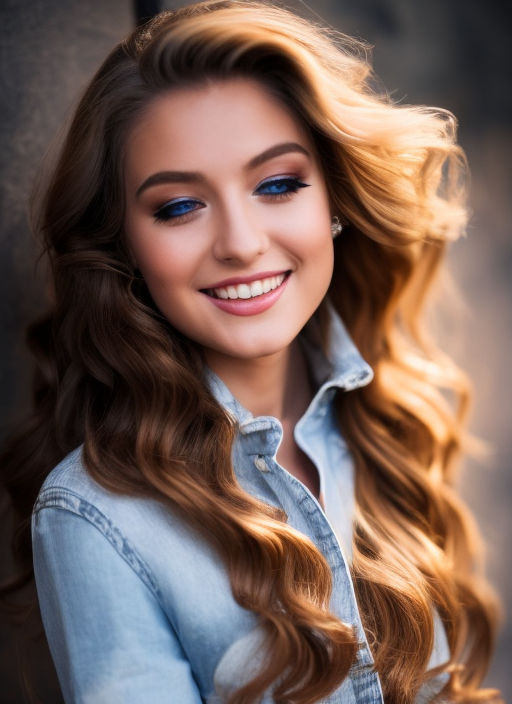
(176, 209)
(280, 186)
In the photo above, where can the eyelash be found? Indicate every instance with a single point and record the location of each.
(293, 185)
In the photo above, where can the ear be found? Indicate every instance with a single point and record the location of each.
(336, 226)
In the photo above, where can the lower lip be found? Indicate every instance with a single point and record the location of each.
(249, 306)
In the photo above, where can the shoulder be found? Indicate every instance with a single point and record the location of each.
(71, 503)
(148, 534)
(76, 522)
(70, 475)
(70, 487)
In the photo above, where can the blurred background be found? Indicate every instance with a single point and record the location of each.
(455, 55)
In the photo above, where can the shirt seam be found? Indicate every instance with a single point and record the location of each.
(330, 547)
(67, 500)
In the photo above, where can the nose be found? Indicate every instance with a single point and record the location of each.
(240, 237)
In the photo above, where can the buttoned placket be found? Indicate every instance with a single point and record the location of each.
(260, 439)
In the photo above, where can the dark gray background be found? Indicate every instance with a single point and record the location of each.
(451, 54)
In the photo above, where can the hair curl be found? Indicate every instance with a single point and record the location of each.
(113, 374)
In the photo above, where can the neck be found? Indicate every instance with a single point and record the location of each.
(275, 385)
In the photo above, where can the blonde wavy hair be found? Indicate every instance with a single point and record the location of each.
(149, 426)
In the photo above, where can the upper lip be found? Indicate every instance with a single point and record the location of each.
(235, 280)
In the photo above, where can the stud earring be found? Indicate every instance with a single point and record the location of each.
(336, 226)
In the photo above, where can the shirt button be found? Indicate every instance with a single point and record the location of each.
(261, 464)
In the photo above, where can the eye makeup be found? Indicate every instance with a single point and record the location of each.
(277, 188)
(177, 210)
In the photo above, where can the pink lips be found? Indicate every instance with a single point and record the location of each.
(235, 280)
(248, 306)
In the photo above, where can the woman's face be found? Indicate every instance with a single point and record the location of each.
(228, 217)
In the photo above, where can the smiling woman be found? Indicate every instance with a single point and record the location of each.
(241, 453)
(238, 199)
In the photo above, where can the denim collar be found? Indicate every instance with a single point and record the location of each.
(342, 367)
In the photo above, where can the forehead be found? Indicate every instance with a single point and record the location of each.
(209, 126)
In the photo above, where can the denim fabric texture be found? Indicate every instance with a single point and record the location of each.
(137, 606)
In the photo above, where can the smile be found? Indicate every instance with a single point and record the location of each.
(249, 290)
(248, 297)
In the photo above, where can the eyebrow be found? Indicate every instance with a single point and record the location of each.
(277, 150)
(195, 177)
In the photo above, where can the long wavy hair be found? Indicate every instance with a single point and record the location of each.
(114, 375)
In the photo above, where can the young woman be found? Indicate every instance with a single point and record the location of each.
(251, 498)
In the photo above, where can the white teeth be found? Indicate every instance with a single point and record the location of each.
(244, 291)
(255, 288)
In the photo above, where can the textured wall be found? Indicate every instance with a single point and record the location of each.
(455, 55)
(48, 50)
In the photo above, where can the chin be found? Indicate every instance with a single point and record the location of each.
(256, 349)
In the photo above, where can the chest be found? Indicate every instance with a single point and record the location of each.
(220, 639)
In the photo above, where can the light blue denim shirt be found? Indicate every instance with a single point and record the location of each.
(137, 607)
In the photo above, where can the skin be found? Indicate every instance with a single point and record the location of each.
(232, 222)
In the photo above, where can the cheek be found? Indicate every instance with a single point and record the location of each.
(314, 226)
(314, 242)
(161, 258)
(317, 255)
